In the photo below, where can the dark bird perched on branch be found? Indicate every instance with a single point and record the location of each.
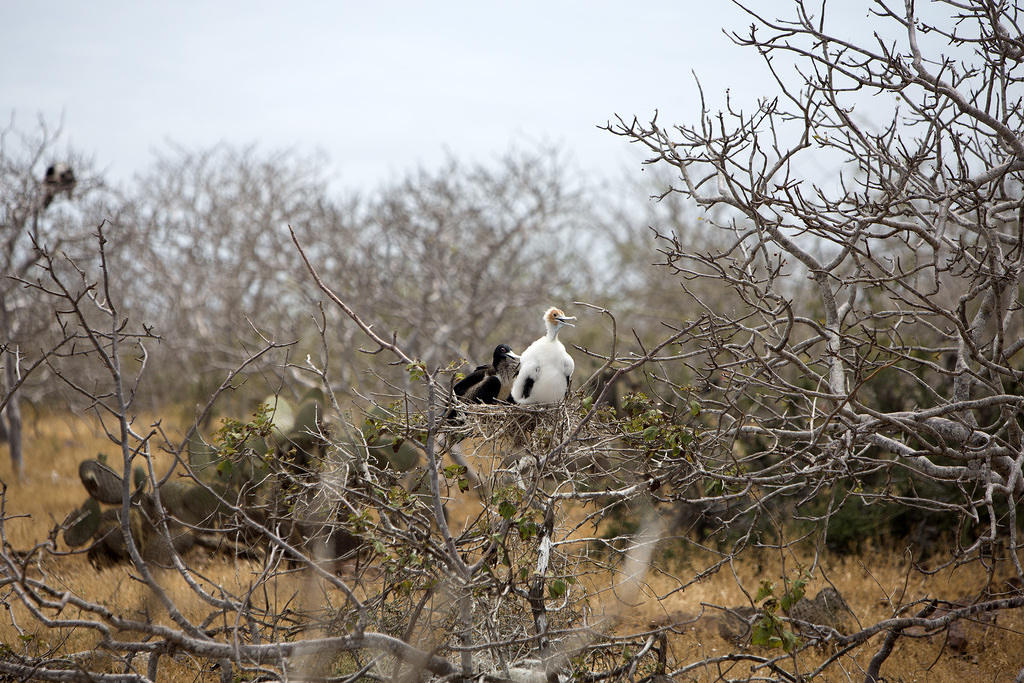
(545, 367)
(489, 383)
(59, 178)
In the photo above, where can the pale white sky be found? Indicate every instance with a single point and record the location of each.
(379, 87)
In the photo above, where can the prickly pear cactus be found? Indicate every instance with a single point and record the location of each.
(100, 481)
(82, 523)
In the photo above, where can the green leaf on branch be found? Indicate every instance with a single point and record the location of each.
(527, 529)
(417, 371)
(506, 509)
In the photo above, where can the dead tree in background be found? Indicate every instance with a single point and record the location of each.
(443, 256)
(30, 180)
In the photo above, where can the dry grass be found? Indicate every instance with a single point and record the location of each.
(870, 584)
(55, 445)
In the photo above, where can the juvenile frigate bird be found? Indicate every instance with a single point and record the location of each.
(545, 367)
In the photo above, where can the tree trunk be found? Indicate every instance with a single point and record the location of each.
(13, 414)
(10, 419)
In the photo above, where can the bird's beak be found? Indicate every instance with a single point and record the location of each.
(564, 320)
(512, 355)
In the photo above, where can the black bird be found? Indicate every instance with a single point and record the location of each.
(489, 383)
(59, 178)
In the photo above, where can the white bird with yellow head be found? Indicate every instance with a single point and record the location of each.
(545, 367)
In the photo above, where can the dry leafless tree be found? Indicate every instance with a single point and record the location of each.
(36, 210)
(904, 364)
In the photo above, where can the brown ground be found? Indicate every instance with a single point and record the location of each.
(870, 584)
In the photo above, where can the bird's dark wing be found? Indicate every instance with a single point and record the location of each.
(487, 391)
(528, 373)
(467, 382)
(527, 387)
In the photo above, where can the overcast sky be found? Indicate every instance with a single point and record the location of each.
(379, 87)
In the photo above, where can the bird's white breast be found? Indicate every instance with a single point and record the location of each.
(549, 365)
